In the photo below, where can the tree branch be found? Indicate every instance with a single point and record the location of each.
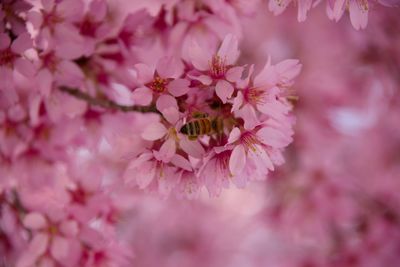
(106, 103)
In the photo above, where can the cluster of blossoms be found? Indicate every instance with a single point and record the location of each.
(358, 9)
(218, 124)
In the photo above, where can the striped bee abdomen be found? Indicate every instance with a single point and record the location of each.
(197, 127)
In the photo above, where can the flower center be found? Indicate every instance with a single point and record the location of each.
(249, 141)
(363, 5)
(50, 61)
(255, 95)
(7, 57)
(217, 67)
(158, 85)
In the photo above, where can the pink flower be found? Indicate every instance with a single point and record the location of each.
(12, 59)
(55, 238)
(217, 69)
(153, 170)
(252, 150)
(215, 172)
(265, 93)
(165, 78)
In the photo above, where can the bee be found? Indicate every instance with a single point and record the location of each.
(202, 125)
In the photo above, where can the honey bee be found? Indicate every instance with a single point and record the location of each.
(202, 125)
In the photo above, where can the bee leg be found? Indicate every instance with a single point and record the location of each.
(192, 137)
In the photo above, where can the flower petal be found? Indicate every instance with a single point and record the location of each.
(199, 56)
(34, 221)
(142, 96)
(22, 43)
(273, 137)
(237, 160)
(166, 101)
(181, 162)
(169, 67)
(224, 90)
(59, 248)
(154, 131)
(178, 87)
(145, 74)
(167, 150)
(234, 135)
(234, 74)
(229, 49)
(193, 148)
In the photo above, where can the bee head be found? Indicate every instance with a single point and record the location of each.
(183, 130)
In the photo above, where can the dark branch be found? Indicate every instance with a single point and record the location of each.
(106, 103)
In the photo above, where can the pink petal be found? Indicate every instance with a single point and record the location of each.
(171, 114)
(71, 9)
(98, 10)
(166, 101)
(34, 221)
(237, 160)
(142, 96)
(261, 159)
(234, 74)
(154, 131)
(22, 43)
(181, 162)
(248, 114)
(234, 135)
(69, 74)
(168, 67)
(229, 49)
(25, 67)
(358, 16)
(167, 150)
(288, 68)
(193, 148)
(237, 102)
(59, 248)
(45, 81)
(34, 105)
(178, 87)
(145, 174)
(338, 9)
(304, 7)
(4, 41)
(199, 57)
(267, 76)
(35, 18)
(38, 245)
(145, 74)
(48, 5)
(204, 79)
(224, 90)
(26, 259)
(273, 137)
(69, 228)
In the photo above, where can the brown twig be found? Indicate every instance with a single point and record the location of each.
(106, 103)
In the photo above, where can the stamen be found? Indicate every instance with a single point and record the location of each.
(363, 5)
(158, 85)
(249, 141)
(217, 67)
(255, 96)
